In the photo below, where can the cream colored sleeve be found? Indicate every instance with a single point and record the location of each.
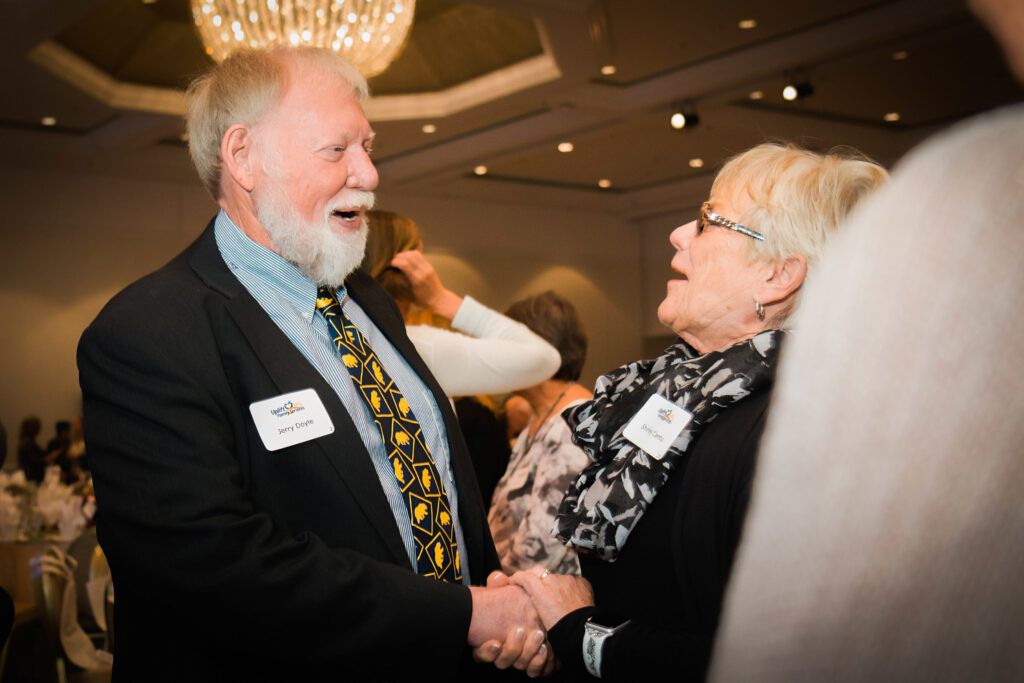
(489, 354)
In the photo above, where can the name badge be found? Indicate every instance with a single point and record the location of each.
(291, 419)
(656, 426)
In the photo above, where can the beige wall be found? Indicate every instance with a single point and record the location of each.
(70, 241)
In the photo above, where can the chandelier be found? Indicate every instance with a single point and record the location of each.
(368, 33)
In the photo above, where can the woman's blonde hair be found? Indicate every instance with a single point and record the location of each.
(389, 233)
(798, 197)
(242, 89)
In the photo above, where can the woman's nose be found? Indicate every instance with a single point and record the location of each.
(681, 236)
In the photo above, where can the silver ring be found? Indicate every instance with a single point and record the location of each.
(544, 575)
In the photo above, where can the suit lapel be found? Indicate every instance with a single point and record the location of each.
(290, 371)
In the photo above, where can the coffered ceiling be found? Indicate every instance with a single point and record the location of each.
(503, 82)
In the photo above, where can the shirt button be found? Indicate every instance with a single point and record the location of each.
(306, 316)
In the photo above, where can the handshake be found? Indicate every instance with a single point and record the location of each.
(511, 615)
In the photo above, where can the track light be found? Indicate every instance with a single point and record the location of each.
(797, 91)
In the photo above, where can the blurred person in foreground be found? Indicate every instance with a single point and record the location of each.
(544, 460)
(886, 533)
(656, 517)
(283, 492)
(31, 457)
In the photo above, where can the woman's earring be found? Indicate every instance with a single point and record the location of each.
(758, 309)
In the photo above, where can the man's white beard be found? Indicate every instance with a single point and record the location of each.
(324, 256)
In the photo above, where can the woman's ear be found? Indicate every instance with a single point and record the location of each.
(238, 156)
(784, 279)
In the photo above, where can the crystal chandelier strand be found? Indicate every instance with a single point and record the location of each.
(369, 33)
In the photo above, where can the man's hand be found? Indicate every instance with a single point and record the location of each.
(505, 630)
(425, 285)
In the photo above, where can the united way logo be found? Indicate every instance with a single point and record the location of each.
(665, 415)
(287, 409)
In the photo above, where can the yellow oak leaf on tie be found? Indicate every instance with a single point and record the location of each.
(444, 518)
(401, 438)
(375, 401)
(438, 554)
(376, 373)
(323, 302)
(425, 478)
(349, 360)
(400, 472)
(403, 406)
(420, 512)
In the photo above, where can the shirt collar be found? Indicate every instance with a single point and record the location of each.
(255, 262)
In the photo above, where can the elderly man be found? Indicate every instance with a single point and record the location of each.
(283, 491)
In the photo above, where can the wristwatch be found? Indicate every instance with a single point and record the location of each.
(594, 635)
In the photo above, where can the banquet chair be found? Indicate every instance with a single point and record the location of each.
(56, 572)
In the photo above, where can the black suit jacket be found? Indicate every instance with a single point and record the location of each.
(231, 562)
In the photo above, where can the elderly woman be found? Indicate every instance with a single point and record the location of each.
(544, 460)
(491, 355)
(656, 517)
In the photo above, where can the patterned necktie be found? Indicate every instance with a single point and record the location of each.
(437, 553)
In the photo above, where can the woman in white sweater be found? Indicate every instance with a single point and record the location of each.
(487, 353)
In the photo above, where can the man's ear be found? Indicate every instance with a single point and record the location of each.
(238, 155)
(785, 277)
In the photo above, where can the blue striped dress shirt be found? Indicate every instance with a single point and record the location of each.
(290, 301)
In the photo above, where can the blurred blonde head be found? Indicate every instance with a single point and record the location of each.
(390, 234)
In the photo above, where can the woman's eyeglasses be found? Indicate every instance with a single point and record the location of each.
(708, 216)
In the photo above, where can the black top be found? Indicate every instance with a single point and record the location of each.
(670, 577)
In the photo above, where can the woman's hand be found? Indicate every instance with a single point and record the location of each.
(554, 595)
(425, 285)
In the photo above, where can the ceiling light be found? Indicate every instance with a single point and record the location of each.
(899, 55)
(797, 91)
(696, 162)
(680, 120)
(429, 128)
(892, 116)
(604, 183)
(48, 121)
(756, 95)
(480, 170)
(148, 2)
(608, 69)
(748, 23)
(368, 33)
(565, 147)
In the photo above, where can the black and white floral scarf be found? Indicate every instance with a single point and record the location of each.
(610, 495)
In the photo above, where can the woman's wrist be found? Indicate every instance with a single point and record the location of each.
(446, 304)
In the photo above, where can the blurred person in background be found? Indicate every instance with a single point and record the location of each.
(31, 458)
(544, 460)
(487, 354)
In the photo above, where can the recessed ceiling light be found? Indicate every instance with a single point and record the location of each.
(565, 147)
(797, 91)
(429, 128)
(789, 93)
(756, 95)
(148, 2)
(480, 170)
(608, 69)
(604, 183)
(748, 23)
(899, 55)
(48, 121)
(678, 120)
(892, 116)
(696, 162)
